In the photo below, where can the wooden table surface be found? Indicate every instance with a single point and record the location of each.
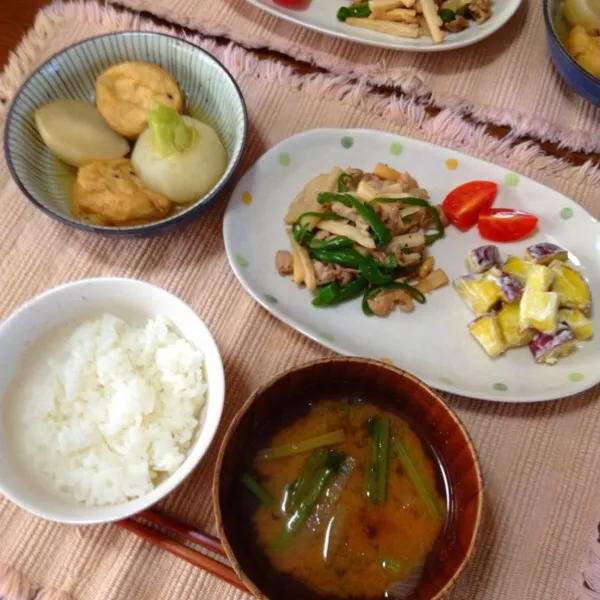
(16, 16)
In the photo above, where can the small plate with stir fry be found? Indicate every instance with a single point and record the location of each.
(345, 239)
(413, 25)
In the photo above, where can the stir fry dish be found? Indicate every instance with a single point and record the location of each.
(539, 300)
(345, 500)
(415, 18)
(175, 159)
(364, 234)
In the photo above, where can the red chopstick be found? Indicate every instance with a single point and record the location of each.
(210, 542)
(205, 540)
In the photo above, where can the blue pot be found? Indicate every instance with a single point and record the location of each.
(575, 76)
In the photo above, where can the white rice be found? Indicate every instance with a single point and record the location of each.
(117, 412)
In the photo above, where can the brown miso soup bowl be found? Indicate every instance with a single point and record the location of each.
(441, 433)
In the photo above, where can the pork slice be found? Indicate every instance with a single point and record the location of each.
(284, 262)
(385, 301)
(480, 10)
(326, 273)
(351, 214)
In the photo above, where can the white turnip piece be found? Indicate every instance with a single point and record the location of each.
(75, 132)
(178, 156)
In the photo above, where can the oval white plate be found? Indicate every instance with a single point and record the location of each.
(320, 15)
(433, 342)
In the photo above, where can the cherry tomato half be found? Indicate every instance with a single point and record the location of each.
(464, 203)
(505, 224)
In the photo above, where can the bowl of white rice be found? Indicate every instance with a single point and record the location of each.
(111, 391)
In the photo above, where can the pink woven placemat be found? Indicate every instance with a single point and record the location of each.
(540, 462)
(507, 79)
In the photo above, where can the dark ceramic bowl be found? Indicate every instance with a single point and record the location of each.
(210, 92)
(575, 76)
(438, 425)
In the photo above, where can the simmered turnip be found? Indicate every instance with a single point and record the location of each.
(178, 156)
(74, 131)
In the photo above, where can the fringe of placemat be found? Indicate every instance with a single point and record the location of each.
(15, 586)
(379, 74)
(447, 128)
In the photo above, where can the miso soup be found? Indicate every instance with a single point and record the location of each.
(343, 500)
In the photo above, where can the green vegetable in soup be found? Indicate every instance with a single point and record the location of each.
(392, 565)
(383, 446)
(298, 488)
(377, 463)
(410, 466)
(327, 439)
(316, 486)
(371, 475)
(252, 484)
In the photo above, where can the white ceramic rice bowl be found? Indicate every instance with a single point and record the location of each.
(136, 301)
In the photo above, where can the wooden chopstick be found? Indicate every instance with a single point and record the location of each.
(210, 542)
(190, 555)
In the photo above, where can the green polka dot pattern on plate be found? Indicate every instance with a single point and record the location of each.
(270, 299)
(396, 148)
(511, 179)
(241, 260)
(347, 142)
(575, 377)
(566, 213)
(327, 336)
(446, 380)
(284, 159)
(500, 387)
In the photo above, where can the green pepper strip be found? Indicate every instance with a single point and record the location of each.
(380, 231)
(306, 238)
(335, 243)
(332, 293)
(429, 239)
(327, 294)
(321, 215)
(342, 186)
(300, 231)
(361, 10)
(392, 262)
(349, 257)
(396, 285)
(447, 15)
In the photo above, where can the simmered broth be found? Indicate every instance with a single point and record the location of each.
(361, 535)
